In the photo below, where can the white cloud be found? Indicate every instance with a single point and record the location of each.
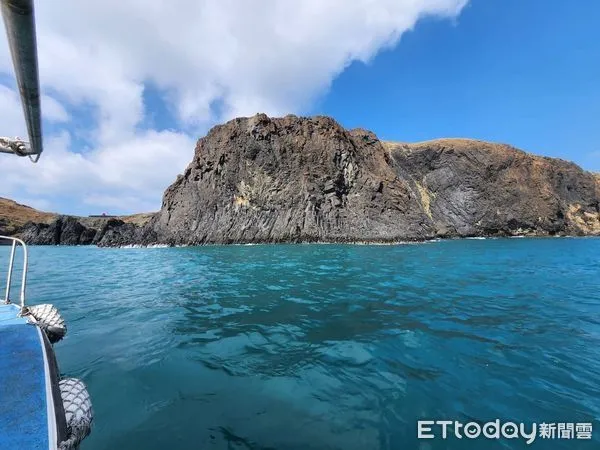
(268, 56)
(12, 122)
(11, 115)
(53, 111)
(128, 176)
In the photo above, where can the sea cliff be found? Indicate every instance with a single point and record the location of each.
(299, 179)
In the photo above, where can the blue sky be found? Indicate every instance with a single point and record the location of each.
(525, 73)
(123, 110)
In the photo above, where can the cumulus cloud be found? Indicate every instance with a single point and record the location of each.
(209, 60)
(125, 176)
(11, 117)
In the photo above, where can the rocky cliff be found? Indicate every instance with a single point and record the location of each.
(297, 179)
(294, 179)
(476, 188)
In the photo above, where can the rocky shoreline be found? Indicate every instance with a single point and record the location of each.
(294, 179)
(102, 238)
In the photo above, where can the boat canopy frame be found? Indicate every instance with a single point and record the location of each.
(19, 21)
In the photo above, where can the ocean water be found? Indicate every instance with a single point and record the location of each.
(328, 346)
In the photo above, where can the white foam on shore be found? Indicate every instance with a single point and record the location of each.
(366, 243)
(129, 246)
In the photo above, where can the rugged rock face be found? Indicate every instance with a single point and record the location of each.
(297, 179)
(290, 179)
(307, 179)
(477, 188)
(66, 230)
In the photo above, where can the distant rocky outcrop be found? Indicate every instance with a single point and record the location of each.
(43, 228)
(296, 179)
(66, 230)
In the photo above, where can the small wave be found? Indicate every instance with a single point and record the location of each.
(129, 246)
(348, 352)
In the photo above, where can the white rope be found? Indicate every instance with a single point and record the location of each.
(16, 146)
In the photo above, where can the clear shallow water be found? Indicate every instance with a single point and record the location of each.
(327, 346)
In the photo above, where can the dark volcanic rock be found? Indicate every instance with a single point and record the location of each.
(71, 231)
(38, 234)
(5, 228)
(307, 179)
(290, 180)
(87, 236)
(64, 230)
(477, 188)
(119, 233)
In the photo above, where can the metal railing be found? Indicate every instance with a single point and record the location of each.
(19, 21)
(11, 263)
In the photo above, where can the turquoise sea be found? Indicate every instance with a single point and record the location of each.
(328, 346)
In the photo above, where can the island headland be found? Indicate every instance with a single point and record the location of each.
(307, 179)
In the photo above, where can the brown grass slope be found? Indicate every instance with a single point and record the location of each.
(13, 216)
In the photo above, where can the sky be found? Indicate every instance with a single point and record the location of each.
(130, 85)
